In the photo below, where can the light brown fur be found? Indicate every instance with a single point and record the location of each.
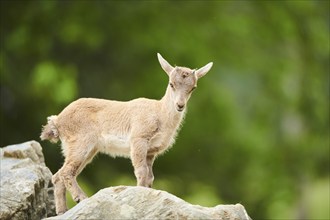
(140, 129)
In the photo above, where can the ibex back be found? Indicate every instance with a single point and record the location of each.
(140, 129)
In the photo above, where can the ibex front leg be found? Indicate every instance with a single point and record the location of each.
(139, 160)
(150, 162)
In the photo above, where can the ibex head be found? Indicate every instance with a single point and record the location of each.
(182, 81)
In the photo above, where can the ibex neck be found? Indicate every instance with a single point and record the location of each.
(168, 107)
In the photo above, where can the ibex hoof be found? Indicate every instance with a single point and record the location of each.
(61, 212)
(79, 198)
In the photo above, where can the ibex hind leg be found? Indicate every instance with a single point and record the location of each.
(77, 156)
(59, 194)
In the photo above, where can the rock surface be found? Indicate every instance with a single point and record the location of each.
(128, 202)
(26, 190)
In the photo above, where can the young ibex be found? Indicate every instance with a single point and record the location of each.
(140, 129)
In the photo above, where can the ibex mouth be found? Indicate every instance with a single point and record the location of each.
(180, 109)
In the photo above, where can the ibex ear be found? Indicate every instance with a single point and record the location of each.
(203, 70)
(165, 65)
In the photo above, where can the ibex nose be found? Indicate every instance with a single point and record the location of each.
(180, 107)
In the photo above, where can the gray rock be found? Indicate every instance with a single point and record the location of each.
(127, 202)
(26, 191)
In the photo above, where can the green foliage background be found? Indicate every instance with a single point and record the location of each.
(257, 129)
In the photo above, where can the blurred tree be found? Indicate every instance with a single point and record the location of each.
(257, 130)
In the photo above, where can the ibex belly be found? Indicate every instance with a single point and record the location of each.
(114, 145)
